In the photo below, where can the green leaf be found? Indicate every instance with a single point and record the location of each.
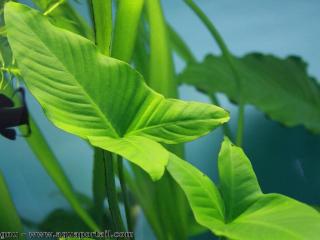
(9, 219)
(277, 217)
(63, 15)
(202, 194)
(238, 183)
(126, 28)
(116, 109)
(249, 214)
(102, 15)
(44, 154)
(279, 87)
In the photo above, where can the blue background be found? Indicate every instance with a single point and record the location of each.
(286, 160)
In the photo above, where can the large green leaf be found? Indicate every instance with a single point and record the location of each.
(116, 111)
(203, 196)
(279, 87)
(41, 149)
(249, 214)
(277, 217)
(238, 183)
(9, 219)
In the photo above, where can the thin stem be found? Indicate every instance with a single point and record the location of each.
(12, 70)
(124, 194)
(240, 129)
(53, 7)
(228, 58)
(225, 127)
(111, 190)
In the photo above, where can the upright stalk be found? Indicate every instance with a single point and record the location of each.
(124, 194)
(101, 13)
(225, 127)
(109, 159)
(229, 59)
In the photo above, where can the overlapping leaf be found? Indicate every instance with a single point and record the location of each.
(40, 147)
(203, 196)
(249, 214)
(279, 87)
(238, 183)
(98, 98)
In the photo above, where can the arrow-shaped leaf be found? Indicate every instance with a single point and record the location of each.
(98, 98)
(249, 214)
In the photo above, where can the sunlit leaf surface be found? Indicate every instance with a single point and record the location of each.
(249, 214)
(98, 98)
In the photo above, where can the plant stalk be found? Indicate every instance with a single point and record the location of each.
(240, 130)
(228, 58)
(225, 127)
(125, 194)
(109, 159)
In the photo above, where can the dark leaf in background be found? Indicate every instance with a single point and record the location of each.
(279, 87)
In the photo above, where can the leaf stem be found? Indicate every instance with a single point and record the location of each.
(240, 130)
(53, 7)
(225, 127)
(124, 194)
(109, 159)
(12, 70)
(228, 58)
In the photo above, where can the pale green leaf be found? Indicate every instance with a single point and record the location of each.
(255, 215)
(277, 217)
(279, 87)
(9, 219)
(202, 194)
(143, 151)
(101, 99)
(44, 154)
(238, 183)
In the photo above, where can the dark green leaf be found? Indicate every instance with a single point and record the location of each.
(279, 87)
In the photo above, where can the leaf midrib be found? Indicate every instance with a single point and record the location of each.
(206, 190)
(99, 112)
